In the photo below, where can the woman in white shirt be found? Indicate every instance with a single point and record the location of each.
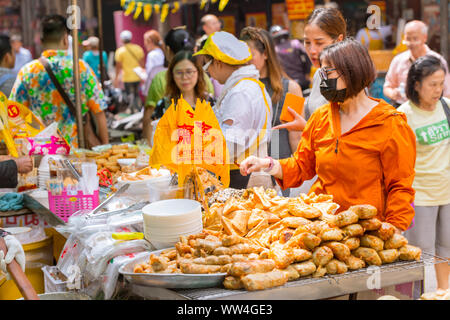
(155, 57)
(426, 114)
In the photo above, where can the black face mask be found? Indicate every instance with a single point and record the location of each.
(329, 92)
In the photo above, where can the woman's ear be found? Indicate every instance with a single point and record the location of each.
(417, 86)
(340, 37)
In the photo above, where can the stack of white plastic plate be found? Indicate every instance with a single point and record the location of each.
(165, 221)
(43, 176)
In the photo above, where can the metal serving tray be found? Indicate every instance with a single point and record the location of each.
(171, 280)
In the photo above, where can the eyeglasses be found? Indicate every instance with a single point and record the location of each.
(323, 72)
(188, 73)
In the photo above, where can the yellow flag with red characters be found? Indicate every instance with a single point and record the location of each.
(185, 138)
(5, 132)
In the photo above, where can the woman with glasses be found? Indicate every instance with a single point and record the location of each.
(361, 148)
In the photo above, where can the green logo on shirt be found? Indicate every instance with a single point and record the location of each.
(433, 133)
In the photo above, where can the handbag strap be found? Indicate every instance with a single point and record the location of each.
(58, 86)
(133, 55)
(446, 110)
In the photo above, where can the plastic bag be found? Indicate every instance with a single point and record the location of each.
(48, 141)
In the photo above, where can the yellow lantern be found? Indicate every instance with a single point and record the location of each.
(222, 4)
(203, 4)
(130, 8)
(138, 10)
(157, 8)
(147, 11)
(176, 7)
(165, 12)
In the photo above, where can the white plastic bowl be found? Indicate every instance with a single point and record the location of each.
(170, 234)
(126, 162)
(175, 211)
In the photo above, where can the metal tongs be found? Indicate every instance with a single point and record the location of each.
(104, 203)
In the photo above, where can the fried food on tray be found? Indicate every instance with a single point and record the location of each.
(261, 281)
(364, 211)
(305, 268)
(301, 255)
(389, 256)
(353, 230)
(294, 222)
(320, 272)
(207, 245)
(253, 266)
(331, 234)
(345, 218)
(281, 255)
(372, 242)
(370, 224)
(322, 255)
(340, 250)
(336, 267)
(192, 268)
(395, 242)
(352, 243)
(291, 273)
(354, 263)
(158, 263)
(304, 211)
(385, 232)
(408, 253)
(233, 283)
(369, 255)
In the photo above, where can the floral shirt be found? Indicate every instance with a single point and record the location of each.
(34, 89)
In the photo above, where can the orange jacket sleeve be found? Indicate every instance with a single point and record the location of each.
(398, 158)
(302, 165)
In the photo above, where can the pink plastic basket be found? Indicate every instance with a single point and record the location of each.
(65, 205)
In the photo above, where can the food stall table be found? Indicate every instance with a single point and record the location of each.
(308, 288)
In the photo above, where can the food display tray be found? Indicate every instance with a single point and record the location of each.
(307, 288)
(171, 280)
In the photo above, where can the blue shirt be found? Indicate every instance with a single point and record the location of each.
(93, 60)
(22, 58)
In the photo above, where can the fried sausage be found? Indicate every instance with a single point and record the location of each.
(353, 230)
(336, 267)
(409, 252)
(261, 281)
(370, 224)
(364, 211)
(301, 255)
(305, 268)
(352, 243)
(252, 266)
(369, 255)
(372, 242)
(192, 268)
(345, 218)
(389, 256)
(395, 242)
(322, 255)
(340, 250)
(354, 263)
(233, 283)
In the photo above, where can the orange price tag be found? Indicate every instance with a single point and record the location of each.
(293, 101)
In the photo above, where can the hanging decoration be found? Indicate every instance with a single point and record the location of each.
(161, 7)
(222, 4)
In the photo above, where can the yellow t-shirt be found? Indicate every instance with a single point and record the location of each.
(432, 180)
(124, 56)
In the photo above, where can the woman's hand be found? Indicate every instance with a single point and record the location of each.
(253, 164)
(298, 124)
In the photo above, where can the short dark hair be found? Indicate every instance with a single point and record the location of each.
(178, 39)
(5, 45)
(53, 28)
(353, 62)
(420, 69)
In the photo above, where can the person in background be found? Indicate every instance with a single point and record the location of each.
(264, 58)
(23, 55)
(176, 40)
(7, 59)
(292, 56)
(10, 167)
(155, 57)
(35, 90)
(244, 107)
(425, 111)
(354, 169)
(416, 35)
(92, 55)
(374, 38)
(209, 24)
(128, 57)
(184, 79)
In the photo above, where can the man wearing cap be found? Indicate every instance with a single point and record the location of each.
(292, 56)
(244, 107)
(129, 57)
(92, 55)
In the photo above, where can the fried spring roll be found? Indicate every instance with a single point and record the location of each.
(320, 272)
(231, 240)
(354, 263)
(331, 234)
(389, 256)
(365, 211)
(233, 283)
(370, 224)
(158, 263)
(373, 242)
(345, 218)
(322, 255)
(353, 230)
(305, 268)
(282, 256)
(301, 255)
(220, 251)
(369, 255)
(261, 281)
(352, 243)
(192, 268)
(336, 267)
(385, 232)
(208, 246)
(252, 266)
(340, 250)
(291, 273)
(395, 242)
(408, 253)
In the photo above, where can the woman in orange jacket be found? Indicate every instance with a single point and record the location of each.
(361, 148)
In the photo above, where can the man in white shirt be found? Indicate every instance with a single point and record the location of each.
(244, 106)
(23, 56)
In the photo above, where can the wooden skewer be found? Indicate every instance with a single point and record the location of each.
(19, 277)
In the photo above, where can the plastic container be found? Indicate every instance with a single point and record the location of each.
(140, 189)
(159, 191)
(51, 284)
(64, 205)
(37, 255)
